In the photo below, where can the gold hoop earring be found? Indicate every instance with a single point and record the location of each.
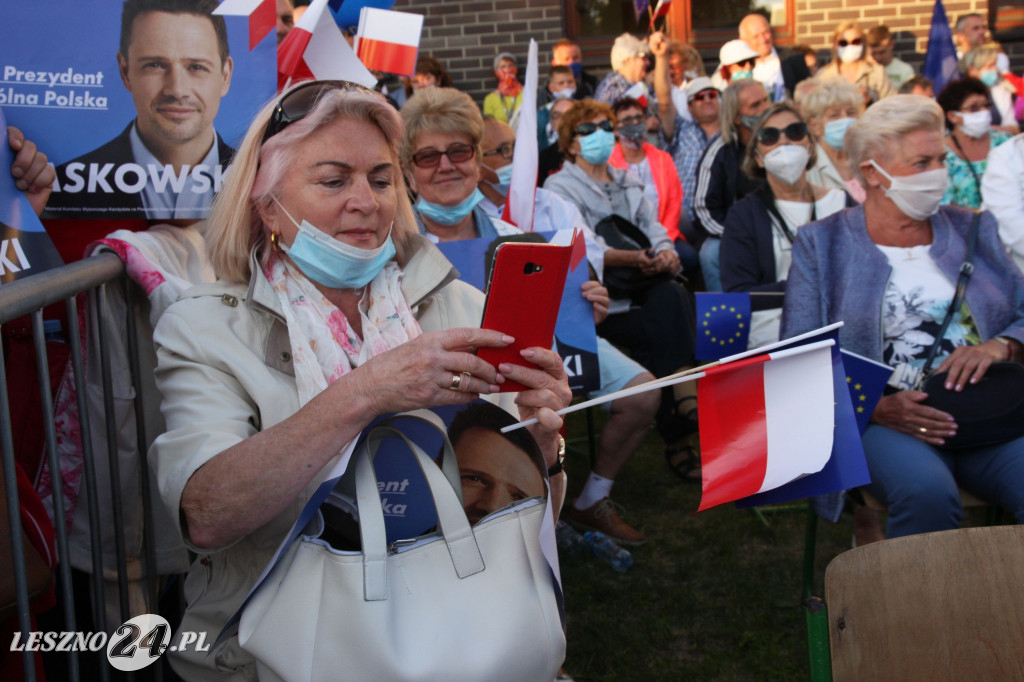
(275, 241)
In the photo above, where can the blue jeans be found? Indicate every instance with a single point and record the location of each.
(709, 263)
(918, 483)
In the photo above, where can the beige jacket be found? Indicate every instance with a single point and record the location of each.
(871, 76)
(225, 372)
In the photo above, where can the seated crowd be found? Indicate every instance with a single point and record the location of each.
(845, 191)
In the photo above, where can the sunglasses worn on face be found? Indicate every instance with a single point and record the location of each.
(296, 104)
(843, 42)
(585, 129)
(457, 153)
(507, 149)
(794, 132)
(707, 94)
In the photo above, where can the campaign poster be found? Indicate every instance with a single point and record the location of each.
(140, 110)
(25, 248)
(575, 335)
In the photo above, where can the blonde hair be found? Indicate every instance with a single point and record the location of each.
(881, 128)
(838, 33)
(979, 56)
(828, 93)
(259, 169)
(440, 110)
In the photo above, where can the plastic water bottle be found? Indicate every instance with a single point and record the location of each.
(569, 541)
(605, 548)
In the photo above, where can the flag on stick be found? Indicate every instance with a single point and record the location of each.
(316, 50)
(866, 380)
(940, 58)
(523, 187)
(660, 10)
(723, 324)
(389, 41)
(262, 16)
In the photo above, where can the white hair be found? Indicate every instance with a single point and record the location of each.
(626, 47)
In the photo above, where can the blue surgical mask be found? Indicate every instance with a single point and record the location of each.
(597, 146)
(333, 263)
(835, 131)
(450, 215)
(741, 75)
(577, 69)
(504, 179)
(989, 77)
(565, 93)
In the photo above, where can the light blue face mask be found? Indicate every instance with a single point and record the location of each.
(741, 75)
(450, 215)
(989, 77)
(597, 146)
(504, 179)
(333, 263)
(835, 131)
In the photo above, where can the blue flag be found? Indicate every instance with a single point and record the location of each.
(346, 12)
(846, 466)
(940, 59)
(723, 324)
(641, 6)
(866, 380)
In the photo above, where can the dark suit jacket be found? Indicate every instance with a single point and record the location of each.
(118, 204)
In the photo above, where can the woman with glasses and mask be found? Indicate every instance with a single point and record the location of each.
(850, 60)
(657, 325)
(888, 270)
(330, 310)
(967, 105)
(980, 62)
(757, 243)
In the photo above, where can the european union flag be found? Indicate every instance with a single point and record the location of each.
(723, 324)
(940, 57)
(866, 380)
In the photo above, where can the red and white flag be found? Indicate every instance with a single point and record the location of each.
(660, 10)
(389, 41)
(316, 50)
(522, 189)
(262, 16)
(765, 421)
(638, 91)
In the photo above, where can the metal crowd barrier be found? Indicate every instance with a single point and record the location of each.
(29, 296)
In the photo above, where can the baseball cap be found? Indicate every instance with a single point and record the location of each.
(699, 85)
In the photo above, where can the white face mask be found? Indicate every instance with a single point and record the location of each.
(975, 123)
(850, 53)
(787, 163)
(918, 195)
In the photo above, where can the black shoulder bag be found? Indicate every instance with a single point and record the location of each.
(623, 281)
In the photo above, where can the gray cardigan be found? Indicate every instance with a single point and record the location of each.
(839, 274)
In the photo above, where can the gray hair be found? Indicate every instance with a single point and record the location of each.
(979, 56)
(730, 107)
(828, 93)
(882, 127)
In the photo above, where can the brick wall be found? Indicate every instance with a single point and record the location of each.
(467, 34)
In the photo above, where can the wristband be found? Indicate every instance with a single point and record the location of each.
(1006, 342)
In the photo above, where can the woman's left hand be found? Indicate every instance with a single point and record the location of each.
(547, 390)
(969, 363)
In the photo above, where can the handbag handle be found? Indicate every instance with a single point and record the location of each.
(966, 270)
(455, 527)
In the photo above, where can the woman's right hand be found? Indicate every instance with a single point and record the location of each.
(904, 411)
(420, 373)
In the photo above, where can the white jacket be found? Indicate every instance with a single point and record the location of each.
(225, 372)
(1002, 191)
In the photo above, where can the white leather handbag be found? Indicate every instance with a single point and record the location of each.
(463, 603)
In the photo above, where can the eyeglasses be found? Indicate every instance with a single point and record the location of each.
(506, 150)
(631, 120)
(587, 128)
(430, 157)
(296, 104)
(794, 132)
(707, 94)
(975, 108)
(843, 42)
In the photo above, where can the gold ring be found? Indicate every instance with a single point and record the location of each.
(923, 430)
(456, 382)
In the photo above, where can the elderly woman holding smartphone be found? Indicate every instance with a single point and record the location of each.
(329, 311)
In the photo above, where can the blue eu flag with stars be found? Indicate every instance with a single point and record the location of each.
(723, 324)
(866, 380)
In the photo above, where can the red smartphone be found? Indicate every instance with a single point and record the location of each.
(524, 293)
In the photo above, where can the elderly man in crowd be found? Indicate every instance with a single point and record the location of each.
(756, 32)
(970, 31)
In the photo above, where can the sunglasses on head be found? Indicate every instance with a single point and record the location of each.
(585, 129)
(457, 153)
(296, 104)
(707, 94)
(843, 42)
(794, 132)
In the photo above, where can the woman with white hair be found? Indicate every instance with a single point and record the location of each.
(330, 310)
(980, 63)
(830, 108)
(629, 67)
(850, 61)
(888, 270)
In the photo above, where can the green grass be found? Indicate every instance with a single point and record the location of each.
(711, 596)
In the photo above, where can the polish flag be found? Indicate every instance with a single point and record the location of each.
(765, 421)
(522, 190)
(638, 92)
(316, 50)
(660, 10)
(389, 41)
(262, 16)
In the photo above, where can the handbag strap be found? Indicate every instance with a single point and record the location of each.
(767, 197)
(455, 527)
(966, 270)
